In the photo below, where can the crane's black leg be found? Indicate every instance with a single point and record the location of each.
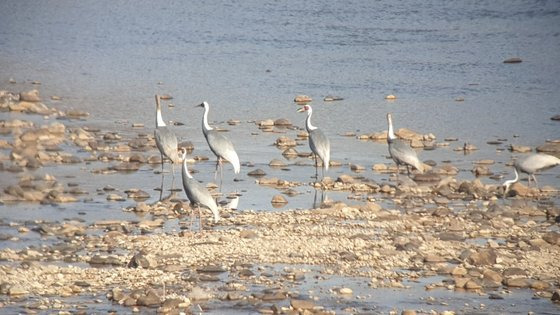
(397, 172)
(199, 219)
(316, 167)
(173, 175)
(535, 180)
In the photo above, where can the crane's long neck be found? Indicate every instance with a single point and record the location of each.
(308, 124)
(510, 182)
(185, 170)
(390, 133)
(205, 126)
(159, 118)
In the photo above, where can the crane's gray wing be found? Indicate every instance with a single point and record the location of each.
(199, 195)
(402, 153)
(320, 145)
(166, 142)
(536, 162)
(222, 147)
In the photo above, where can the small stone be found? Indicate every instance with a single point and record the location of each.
(517, 282)
(345, 291)
(302, 99)
(30, 96)
(302, 304)
(279, 199)
(513, 60)
(408, 312)
(257, 172)
(552, 238)
(390, 97)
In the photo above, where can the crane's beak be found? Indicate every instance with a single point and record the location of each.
(199, 105)
(302, 109)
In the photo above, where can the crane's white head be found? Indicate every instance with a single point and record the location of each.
(204, 104)
(305, 108)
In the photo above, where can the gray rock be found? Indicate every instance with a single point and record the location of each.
(143, 261)
(149, 298)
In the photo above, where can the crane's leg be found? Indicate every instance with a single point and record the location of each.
(199, 219)
(535, 180)
(173, 175)
(398, 170)
(316, 167)
(408, 170)
(221, 173)
(192, 217)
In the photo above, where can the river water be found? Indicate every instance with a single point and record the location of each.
(249, 59)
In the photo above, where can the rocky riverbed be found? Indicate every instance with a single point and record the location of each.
(421, 237)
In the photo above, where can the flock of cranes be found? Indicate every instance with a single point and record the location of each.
(400, 151)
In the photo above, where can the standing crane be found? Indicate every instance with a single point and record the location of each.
(166, 142)
(318, 142)
(198, 194)
(220, 145)
(400, 150)
(530, 165)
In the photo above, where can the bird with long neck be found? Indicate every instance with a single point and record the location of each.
(318, 142)
(166, 142)
(400, 151)
(220, 145)
(530, 165)
(197, 194)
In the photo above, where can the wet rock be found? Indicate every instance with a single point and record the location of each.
(279, 199)
(345, 291)
(555, 117)
(408, 312)
(149, 298)
(285, 142)
(520, 148)
(276, 163)
(482, 257)
(30, 96)
(513, 60)
(76, 114)
(126, 167)
(282, 122)
(492, 275)
(257, 172)
(357, 167)
(302, 99)
(517, 282)
(266, 123)
(302, 304)
(472, 285)
(514, 272)
(540, 285)
(115, 197)
(390, 97)
(481, 170)
(17, 290)
(556, 296)
(290, 153)
(552, 238)
(141, 260)
(345, 179)
(433, 258)
(198, 294)
(426, 177)
(332, 98)
(550, 147)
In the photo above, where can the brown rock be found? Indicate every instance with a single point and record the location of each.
(550, 147)
(483, 257)
(517, 282)
(302, 304)
(150, 298)
(552, 238)
(30, 96)
(279, 199)
(302, 99)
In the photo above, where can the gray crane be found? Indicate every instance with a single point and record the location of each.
(318, 142)
(166, 142)
(220, 145)
(530, 165)
(198, 194)
(400, 150)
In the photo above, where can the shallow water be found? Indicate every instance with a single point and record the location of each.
(249, 59)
